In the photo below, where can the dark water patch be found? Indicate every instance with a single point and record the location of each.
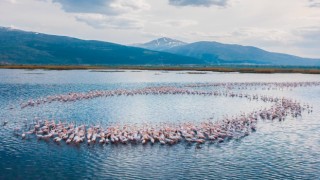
(196, 72)
(33, 73)
(107, 71)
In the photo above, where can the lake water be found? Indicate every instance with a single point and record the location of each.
(277, 150)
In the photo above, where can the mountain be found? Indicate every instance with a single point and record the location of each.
(218, 53)
(21, 47)
(214, 53)
(161, 44)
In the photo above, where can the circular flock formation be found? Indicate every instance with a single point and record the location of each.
(166, 133)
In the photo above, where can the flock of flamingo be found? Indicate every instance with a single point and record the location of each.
(167, 90)
(265, 85)
(165, 133)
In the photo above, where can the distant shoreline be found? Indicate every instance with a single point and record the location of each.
(260, 69)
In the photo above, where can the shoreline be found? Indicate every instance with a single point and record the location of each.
(260, 69)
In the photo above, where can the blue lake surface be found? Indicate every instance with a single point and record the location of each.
(277, 150)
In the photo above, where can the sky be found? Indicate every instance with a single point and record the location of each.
(287, 26)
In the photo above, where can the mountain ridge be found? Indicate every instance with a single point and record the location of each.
(215, 52)
(23, 47)
(161, 44)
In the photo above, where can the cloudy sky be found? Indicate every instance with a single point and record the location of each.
(289, 26)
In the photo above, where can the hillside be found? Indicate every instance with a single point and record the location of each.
(21, 47)
(218, 53)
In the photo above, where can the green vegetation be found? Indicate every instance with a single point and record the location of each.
(20, 47)
(29, 48)
(218, 53)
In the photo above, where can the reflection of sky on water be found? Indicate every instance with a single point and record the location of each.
(278, 150)
(87, 77)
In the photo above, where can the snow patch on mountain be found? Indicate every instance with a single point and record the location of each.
(161, 44)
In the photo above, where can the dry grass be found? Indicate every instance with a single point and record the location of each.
(170, 68)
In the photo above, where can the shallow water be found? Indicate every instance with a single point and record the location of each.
(277, 150)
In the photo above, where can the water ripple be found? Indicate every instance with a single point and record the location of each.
(279, 150)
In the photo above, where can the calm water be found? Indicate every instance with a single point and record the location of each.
(277, 150)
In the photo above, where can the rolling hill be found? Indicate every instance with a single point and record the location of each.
(21, 47)
(214, 53)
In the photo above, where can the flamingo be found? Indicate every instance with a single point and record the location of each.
(23, 135)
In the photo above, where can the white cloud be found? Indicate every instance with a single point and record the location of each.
(130, 5)
(314, 3)
(249, 35)
(309, 36)
(205, 3)
(178, 23)
(12, 1)
(107, 7)
(101, 21)
(100, 14)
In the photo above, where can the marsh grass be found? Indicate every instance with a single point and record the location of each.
(240, 69)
